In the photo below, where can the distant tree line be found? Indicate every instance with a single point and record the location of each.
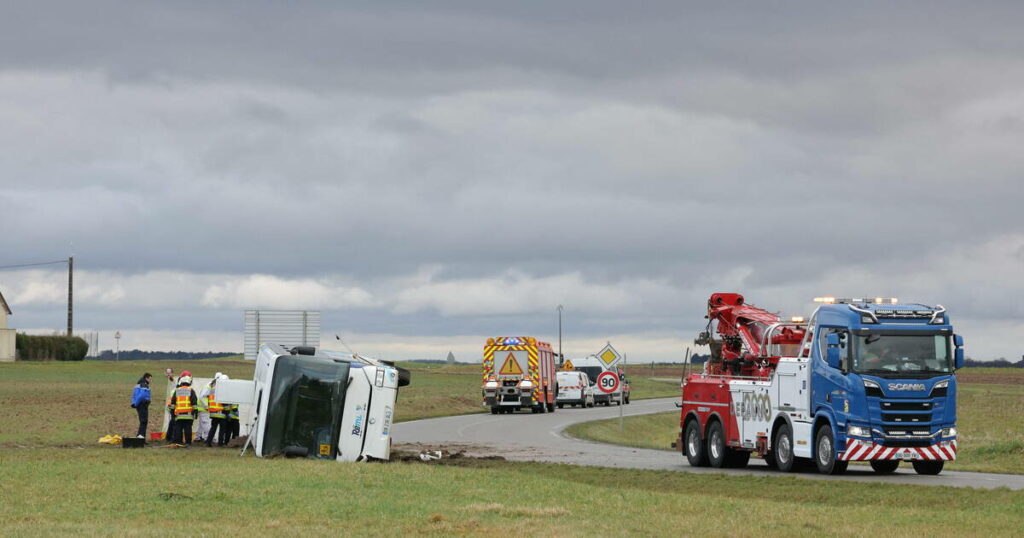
(139, 355)
(998, 363)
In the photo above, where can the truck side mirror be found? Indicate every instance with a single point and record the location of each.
(958, 353)
(832, 345)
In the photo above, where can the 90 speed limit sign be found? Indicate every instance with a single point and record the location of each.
(608, 382)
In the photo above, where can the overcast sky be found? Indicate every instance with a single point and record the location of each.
(431, 174)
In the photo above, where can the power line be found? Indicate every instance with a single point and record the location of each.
(31, 264)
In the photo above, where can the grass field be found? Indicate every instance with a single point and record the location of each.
(102, 491)
(990, 420)
(75, 403)
(67, 484)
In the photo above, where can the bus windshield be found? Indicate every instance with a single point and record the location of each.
(306, 400)
(902, 354)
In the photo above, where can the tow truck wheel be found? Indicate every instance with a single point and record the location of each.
(716, 445)
(494, 410)
(929, 467)
(562, 406)
(551, 408)
(693, 446)
(825, 452)
(885, 466)
(782, 449)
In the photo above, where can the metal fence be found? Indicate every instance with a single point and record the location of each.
(285, 327)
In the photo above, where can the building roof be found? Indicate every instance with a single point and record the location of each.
(3, 303)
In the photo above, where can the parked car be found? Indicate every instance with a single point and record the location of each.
(574, 388)
(624, 382)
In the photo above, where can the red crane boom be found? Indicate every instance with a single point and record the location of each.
(749, 335)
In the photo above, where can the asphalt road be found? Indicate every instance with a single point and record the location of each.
(529, 437)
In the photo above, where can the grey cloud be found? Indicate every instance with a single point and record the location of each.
(774, 150)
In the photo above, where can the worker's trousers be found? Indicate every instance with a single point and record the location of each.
(143, 411)
(184, 428)
(216, 427)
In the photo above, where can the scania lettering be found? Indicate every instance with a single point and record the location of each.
(866, 379)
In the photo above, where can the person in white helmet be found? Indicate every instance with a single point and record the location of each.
(205, 422)
(216, 411)
(184, 407)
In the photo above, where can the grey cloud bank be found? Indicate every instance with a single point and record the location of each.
(458, 170)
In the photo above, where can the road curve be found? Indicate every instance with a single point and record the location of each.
(529, 437)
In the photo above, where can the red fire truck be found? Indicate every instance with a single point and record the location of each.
(519, 373)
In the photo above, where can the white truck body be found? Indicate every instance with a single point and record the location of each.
(318, 403)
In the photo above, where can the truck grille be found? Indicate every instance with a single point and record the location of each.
(906, 406)
(901, 443)
(908, 431)
(907, 418)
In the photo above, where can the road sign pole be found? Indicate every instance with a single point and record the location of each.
(621, 398)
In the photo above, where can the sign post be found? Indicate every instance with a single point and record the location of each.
(622, 399)
(608, 383)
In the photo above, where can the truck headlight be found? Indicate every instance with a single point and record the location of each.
(949, 432)
(872, 389)
(491, 385)
(858, 431)
(526, 384)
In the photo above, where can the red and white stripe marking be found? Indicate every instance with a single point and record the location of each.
(857, 450)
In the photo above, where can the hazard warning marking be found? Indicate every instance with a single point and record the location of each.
(510, 366)
(568, 365)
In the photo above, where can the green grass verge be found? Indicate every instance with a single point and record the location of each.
(991, 423)
(111, 490)
(75, 403)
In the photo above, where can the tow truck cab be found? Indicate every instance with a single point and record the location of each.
(882, 379)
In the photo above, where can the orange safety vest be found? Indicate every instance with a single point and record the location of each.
(215, 409)
(182, 401)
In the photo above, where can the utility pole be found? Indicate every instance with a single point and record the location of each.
(71, 273)
(561, 358)
(117, 346)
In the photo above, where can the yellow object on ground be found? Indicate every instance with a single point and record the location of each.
(110, 439)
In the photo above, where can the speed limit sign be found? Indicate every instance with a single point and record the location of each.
(608, 382)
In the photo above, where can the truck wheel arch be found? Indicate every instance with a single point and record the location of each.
(712, 418)
(823, 417)
(692, 416)
(780, 419)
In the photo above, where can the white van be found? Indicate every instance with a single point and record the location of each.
(574, 388)
(593, 367)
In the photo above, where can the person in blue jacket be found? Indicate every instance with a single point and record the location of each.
(140, 402)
